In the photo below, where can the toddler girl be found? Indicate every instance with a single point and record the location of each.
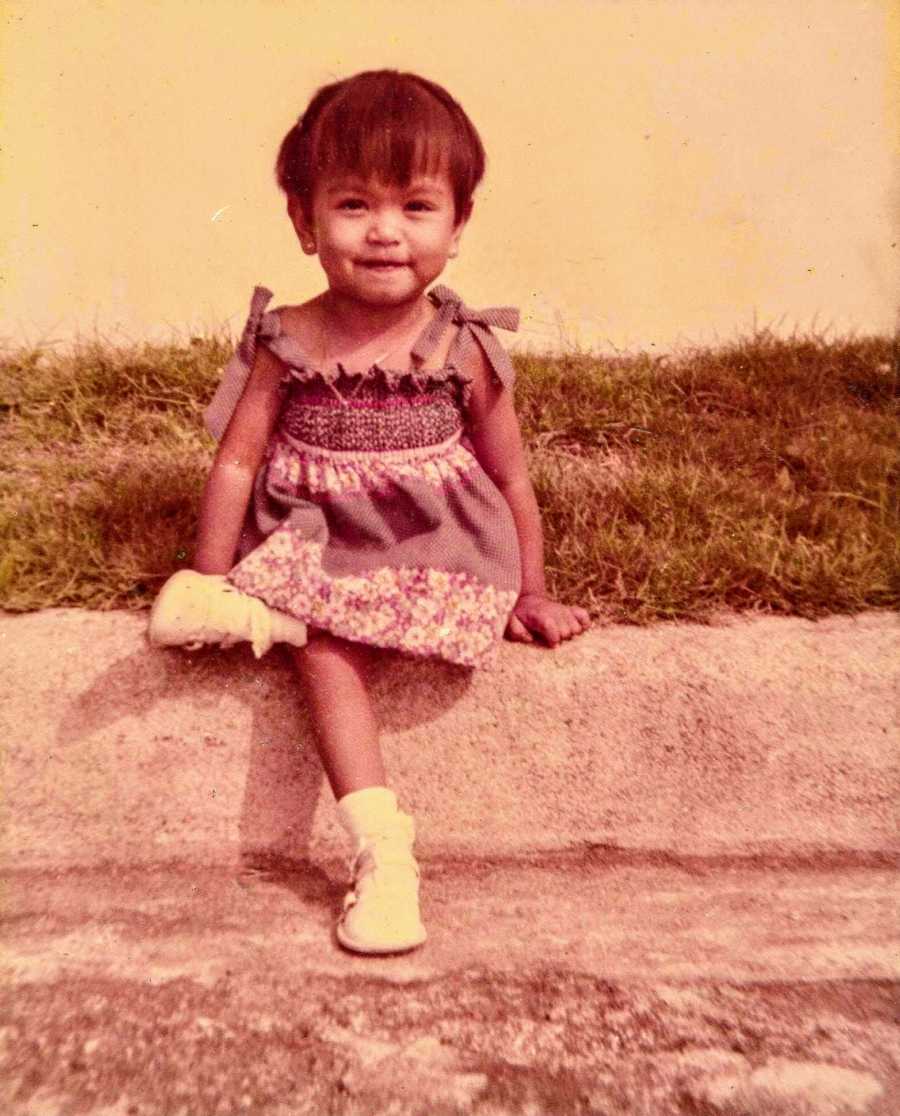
(370, 478)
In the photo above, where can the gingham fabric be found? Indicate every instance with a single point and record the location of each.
(371, 518)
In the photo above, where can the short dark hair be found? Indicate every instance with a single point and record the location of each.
(382, 124)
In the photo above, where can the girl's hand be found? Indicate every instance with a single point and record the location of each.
(538, 615)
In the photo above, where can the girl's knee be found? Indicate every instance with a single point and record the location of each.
(322, 644)
(320, 638)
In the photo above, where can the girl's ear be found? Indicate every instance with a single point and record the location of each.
(302, 227)
(456, 237)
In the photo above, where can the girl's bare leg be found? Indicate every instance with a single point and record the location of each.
(334, 673)
(381, 912)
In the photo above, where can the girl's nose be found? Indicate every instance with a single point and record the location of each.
(382, 227)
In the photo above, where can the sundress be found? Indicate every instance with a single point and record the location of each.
(371, 517)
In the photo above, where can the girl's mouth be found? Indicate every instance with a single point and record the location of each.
(383, 265)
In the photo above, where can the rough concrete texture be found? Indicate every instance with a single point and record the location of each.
(752, 735)
(716, 933)
(574, 985)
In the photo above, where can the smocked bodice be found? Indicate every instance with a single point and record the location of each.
(382, 408)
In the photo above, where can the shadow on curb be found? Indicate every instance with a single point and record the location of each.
(284, 778)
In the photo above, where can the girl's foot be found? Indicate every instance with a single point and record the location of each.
(381, 912)
(193, 609)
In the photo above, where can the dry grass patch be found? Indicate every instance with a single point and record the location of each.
(760, 475)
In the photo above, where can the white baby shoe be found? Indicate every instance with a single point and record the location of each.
(381, 912)
(193, 609)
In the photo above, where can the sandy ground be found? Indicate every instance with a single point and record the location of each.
(566, 985)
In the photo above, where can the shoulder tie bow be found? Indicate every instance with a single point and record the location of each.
(237, 371)
(475, 326)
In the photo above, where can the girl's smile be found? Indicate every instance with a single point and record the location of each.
(379, 243)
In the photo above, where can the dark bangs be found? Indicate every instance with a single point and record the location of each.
(385, 125)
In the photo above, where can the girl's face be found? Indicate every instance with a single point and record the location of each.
(380, 244)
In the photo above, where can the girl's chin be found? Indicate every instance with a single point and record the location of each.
(380, 292)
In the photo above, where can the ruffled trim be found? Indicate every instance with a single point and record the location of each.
(297, 470)
(392, 378)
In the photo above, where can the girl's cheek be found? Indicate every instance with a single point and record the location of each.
(345, 232)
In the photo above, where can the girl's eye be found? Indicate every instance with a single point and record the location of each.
(351, 203)
(419, 206)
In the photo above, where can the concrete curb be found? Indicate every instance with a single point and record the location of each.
(759, 735)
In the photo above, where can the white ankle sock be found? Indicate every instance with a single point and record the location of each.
(367, 811)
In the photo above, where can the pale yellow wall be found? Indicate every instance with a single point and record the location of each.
(659, 171)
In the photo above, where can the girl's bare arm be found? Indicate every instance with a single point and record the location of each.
(497, 441)
(230, 482)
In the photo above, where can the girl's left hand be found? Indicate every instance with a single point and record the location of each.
(537, 615)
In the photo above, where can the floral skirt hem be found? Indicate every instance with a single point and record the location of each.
(419, 610)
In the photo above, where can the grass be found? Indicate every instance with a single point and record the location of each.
(759, 475)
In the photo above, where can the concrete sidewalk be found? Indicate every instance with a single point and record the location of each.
(659, 878)
(757, 735)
